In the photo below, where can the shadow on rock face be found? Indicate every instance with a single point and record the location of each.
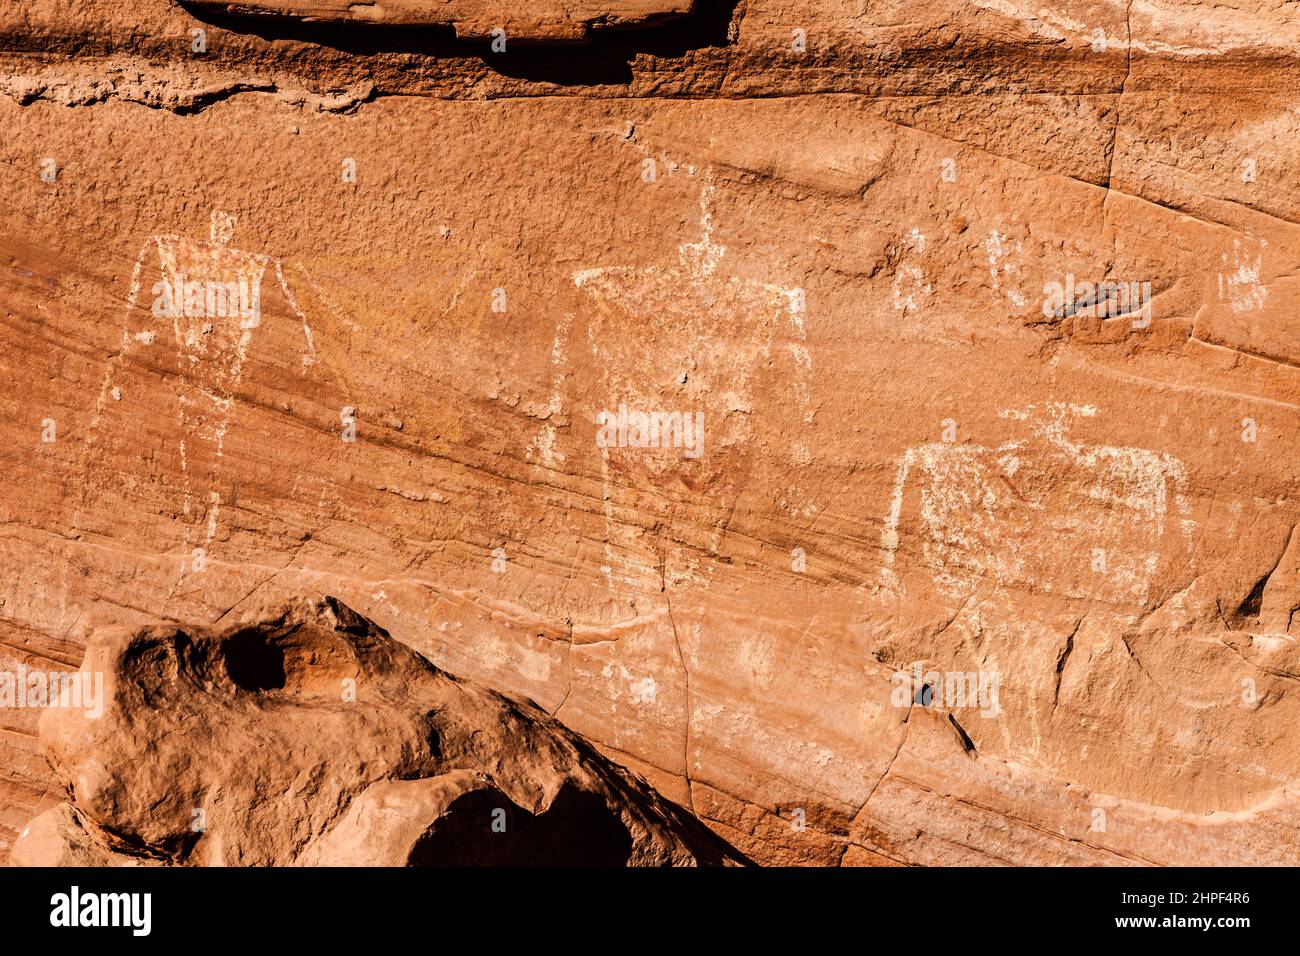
(604, 57)
(304, 735)
(577, 829)
(253, 663)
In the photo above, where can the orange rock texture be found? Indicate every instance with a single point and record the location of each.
(305, 735)
(872, 423)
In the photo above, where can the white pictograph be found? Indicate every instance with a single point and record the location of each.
(669, 300)
(208, 301)
(1043, 512)
(1239, 276)
(694, 336)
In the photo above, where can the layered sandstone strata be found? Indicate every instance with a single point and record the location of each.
(864, 241)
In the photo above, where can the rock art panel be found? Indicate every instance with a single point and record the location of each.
(873, 424)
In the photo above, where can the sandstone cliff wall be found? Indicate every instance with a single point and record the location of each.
(843, 255)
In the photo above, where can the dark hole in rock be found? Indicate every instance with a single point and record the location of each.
(1254, 601)
(253, 663)
(924, 695)
(578, 829)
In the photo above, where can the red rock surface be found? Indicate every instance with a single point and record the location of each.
(917, 458)
(305, 735)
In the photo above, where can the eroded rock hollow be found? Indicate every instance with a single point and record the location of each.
(305, 735)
